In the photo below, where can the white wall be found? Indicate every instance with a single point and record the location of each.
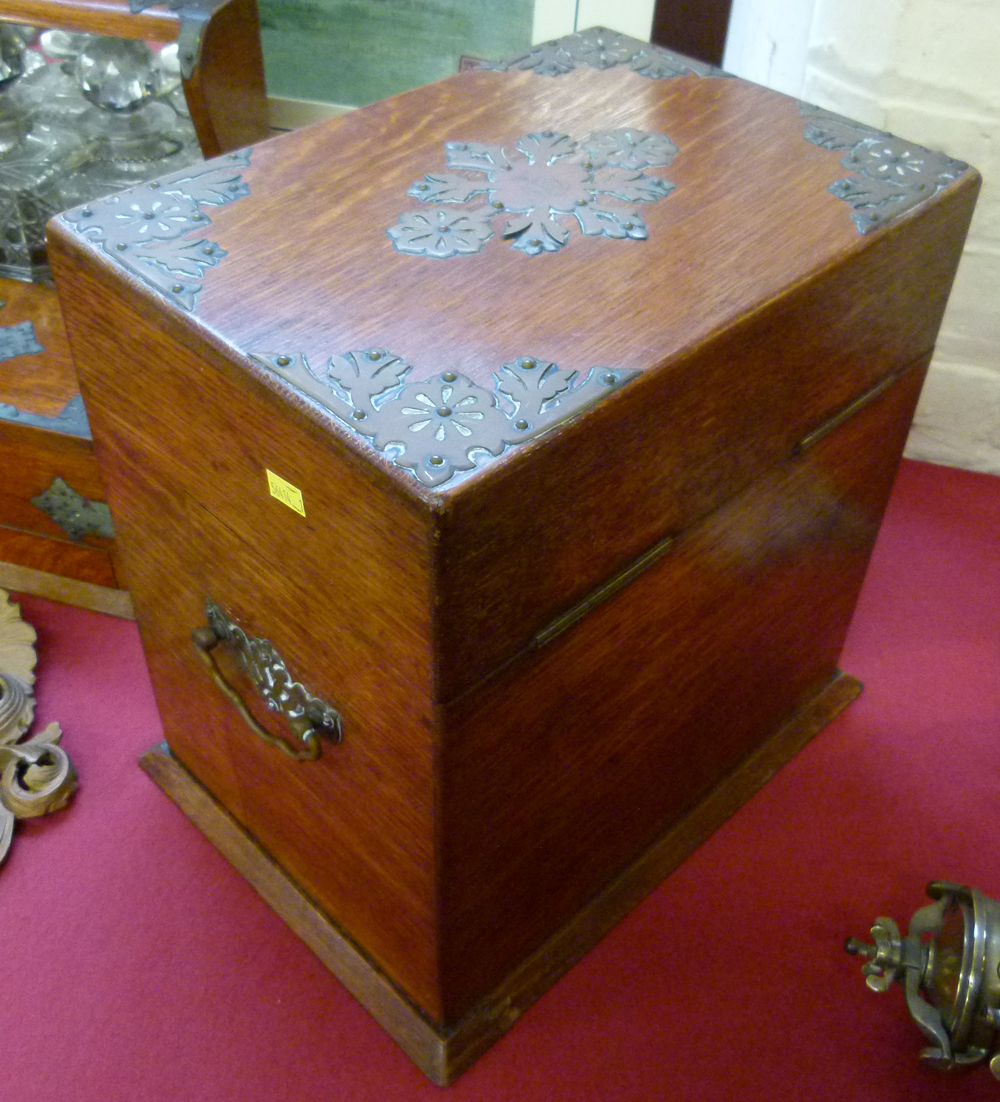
(929, 71)
(554, 18)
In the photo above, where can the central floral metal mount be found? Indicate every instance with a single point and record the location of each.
(541, 186)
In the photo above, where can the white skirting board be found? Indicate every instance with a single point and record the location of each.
(958, 420)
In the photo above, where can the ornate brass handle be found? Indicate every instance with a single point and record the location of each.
(309, 717)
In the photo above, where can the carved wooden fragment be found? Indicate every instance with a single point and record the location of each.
(36, 775)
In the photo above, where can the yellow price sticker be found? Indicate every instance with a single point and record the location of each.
(286, 493)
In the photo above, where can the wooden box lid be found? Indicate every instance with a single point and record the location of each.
(564, 306)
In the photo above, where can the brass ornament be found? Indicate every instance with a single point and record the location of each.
(36, 775)
(889, 175)
(540, 186)
(309, 718)
(947, 966)
(446, 425)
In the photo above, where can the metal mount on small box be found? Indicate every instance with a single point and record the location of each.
(194, 16)
(74, 514)
(948, 968)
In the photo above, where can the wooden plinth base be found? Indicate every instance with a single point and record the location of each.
(443, 1054)
(67, 591)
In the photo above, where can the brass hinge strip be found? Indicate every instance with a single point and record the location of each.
(845, 414)
(602, 593)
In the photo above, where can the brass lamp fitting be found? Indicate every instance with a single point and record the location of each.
(948, 967)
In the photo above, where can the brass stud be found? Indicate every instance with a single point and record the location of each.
(283, 361)
(609, 378)
(86, 213)
(529, 364)
(444, 411)
(177, 288)
(522, 425)
(359, 415)
(436, 461)
(374, 355)
(449, 377)
(121, 246)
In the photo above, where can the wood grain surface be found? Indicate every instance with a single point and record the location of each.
(350, 579)
(693, 27)
(56, 556)
(108, 17)
(226, 93)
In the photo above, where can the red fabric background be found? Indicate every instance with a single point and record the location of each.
(135, 964)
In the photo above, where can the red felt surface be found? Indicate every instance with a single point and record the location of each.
(136, 965)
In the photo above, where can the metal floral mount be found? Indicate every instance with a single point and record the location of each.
(546, 180)
(892, 175)
(36, 776)
(442, 426)
(599, 48)
(148, 229)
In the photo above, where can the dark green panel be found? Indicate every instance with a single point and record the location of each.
(358, 51)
